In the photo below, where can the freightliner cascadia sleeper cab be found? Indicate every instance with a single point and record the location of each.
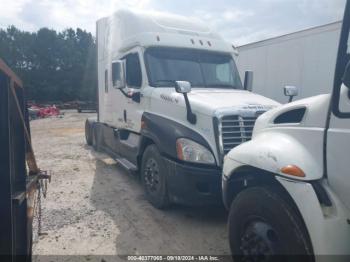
(171, 104)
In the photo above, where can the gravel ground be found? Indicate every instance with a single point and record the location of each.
(95, 208)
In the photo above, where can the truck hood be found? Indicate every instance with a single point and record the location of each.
(208, 101)
(314, 117)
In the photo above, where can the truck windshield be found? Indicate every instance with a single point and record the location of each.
(200, 68)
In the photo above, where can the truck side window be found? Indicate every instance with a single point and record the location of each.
(133, 71)
(106, 81)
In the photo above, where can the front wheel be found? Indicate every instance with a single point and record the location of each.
(154, 178)
(262, 225)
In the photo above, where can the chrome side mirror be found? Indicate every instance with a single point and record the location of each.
(248, 81)
(118, 74)
(183, 87)
(291, 91)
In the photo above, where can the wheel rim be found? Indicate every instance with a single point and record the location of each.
(260, 240)
(152, 176)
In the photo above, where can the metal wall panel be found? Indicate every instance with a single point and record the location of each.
(305, 59)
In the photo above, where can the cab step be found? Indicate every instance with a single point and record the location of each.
(126, 164)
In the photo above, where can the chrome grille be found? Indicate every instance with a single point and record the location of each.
(235, 130)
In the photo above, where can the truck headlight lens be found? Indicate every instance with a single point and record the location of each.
(190, 151)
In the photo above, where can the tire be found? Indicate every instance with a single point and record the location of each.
(96, 137)
(262, 224)
(88, 132)
(153, 177)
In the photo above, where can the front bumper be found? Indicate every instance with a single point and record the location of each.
(191, 185)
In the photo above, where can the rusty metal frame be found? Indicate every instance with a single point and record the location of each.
(16, 187)
(4, 68)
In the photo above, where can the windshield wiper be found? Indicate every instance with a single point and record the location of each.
(221, 85)
(160, 83)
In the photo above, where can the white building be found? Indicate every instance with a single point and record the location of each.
(305, 59)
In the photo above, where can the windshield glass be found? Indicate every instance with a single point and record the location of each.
(200, 68)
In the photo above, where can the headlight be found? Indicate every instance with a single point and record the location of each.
(190, 151)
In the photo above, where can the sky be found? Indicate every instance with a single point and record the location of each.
(239, 21)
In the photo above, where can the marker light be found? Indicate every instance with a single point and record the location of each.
(293, 170)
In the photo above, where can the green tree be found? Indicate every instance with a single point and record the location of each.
(54, 66)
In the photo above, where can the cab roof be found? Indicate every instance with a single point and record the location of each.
(126, 29)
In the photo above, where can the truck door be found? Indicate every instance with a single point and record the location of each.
(115, 103)
(338, 140)
(106, 96)
(133, 109)
(338, 150)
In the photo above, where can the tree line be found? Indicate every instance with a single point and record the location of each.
(54, 66)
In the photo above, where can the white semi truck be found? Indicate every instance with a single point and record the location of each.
(171, 104)
(288, 189)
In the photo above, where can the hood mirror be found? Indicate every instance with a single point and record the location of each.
(291, 91)
(248, 81)
(183, 87)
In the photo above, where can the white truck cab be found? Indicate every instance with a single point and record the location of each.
(288, 189)
(171, 104)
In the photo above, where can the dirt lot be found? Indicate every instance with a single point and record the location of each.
(94, 207)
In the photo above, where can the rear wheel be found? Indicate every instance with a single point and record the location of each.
(88, 132)
(96, 137)
(262, 225)
(153, 178)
